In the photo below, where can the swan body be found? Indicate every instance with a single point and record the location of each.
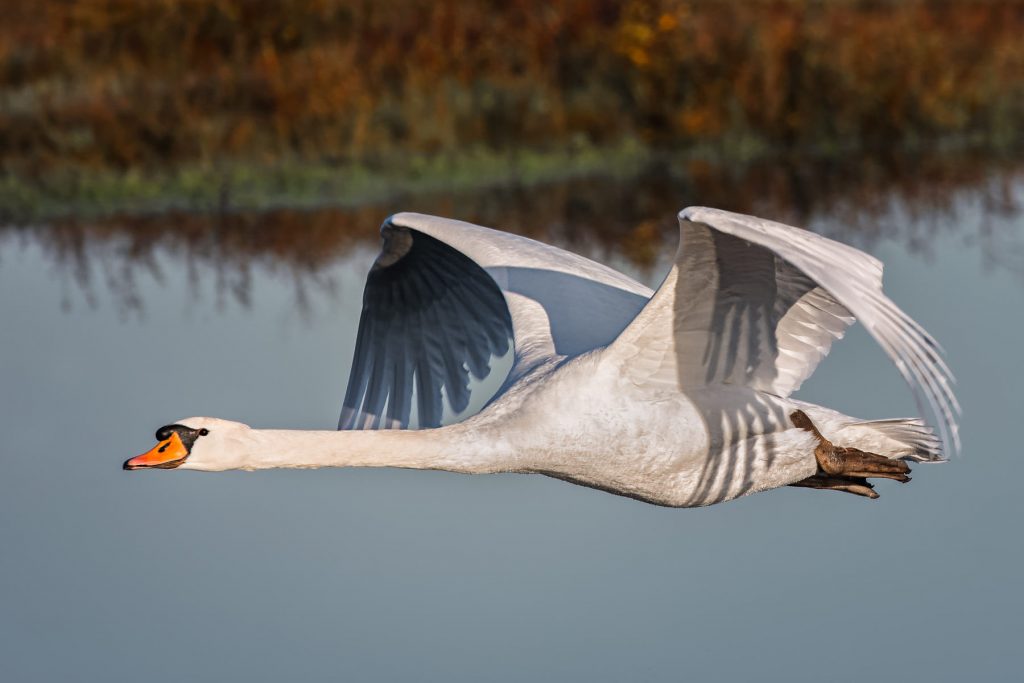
(679, 397)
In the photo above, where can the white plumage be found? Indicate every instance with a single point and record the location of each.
(677, 397)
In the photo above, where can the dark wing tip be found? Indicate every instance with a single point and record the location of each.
(438, 312)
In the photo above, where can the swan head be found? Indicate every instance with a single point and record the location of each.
(196, 443)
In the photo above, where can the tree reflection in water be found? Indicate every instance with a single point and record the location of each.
(627, 222)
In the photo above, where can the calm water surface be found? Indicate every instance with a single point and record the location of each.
(111, 328)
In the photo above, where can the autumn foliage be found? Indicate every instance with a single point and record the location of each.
(122, 84)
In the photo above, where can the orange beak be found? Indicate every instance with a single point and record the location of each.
(166, 455)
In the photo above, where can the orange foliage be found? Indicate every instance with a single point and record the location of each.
(123, 84)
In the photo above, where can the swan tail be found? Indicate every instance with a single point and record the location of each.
(903, 438)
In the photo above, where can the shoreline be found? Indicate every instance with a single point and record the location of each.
(298, 184)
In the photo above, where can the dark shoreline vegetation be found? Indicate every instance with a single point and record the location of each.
(114, 106)
(306, 185)
(628, 222)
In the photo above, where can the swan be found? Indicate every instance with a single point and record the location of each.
(678, 397)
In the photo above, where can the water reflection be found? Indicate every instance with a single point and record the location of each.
(628, 222)
(349, 561)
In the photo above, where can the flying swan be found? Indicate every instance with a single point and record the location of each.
(677, 397)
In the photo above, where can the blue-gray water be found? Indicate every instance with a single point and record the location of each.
(403, 575)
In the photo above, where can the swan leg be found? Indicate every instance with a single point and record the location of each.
(847, 469)
(857, 486)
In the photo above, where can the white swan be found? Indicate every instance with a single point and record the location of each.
(677, 397)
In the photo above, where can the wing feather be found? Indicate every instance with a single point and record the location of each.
(444, 298)
(424, 305)
(722, 316)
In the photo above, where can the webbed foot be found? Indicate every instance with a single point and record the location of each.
(856, 486)
(847, 469)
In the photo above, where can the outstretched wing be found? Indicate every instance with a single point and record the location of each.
(444, 297)
(755, 303)
(431, 316)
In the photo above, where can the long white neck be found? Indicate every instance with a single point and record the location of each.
(449, 448)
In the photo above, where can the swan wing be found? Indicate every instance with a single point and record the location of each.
(444, 297)
(755, 303)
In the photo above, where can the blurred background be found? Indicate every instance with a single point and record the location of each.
(190, 192)
(177, 102)
(175, 120)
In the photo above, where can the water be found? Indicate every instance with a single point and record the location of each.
(114, 327)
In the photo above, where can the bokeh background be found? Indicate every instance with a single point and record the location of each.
(109, 104)
(189, 197)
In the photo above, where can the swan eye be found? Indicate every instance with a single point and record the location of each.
(204, 431)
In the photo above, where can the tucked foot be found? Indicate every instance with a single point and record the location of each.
(854, 485)
(847, 469)
(850, 462)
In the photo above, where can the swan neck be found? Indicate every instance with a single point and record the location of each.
(446, 448)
